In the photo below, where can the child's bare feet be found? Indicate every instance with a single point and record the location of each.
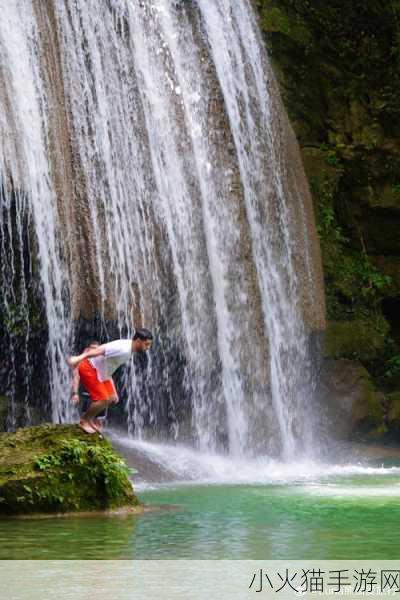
(87, 426)
(95, 424)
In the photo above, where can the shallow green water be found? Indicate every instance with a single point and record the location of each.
(339, 517)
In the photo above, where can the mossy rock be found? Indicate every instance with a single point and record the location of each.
(361, 339)
(339, 77)
(59, 468)
(386, 197)
(393, 412)
(273, 19)
(354, 407)
(389, 266)
(381, 231)
(320, 165)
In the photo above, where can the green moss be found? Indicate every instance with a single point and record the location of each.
(273, 19)
(355, 285)
(339, 76)
(392, 369)
(359, 339)
(393, 413)
(375, 411)
(53, 468)
(368, 411)
(349, 57)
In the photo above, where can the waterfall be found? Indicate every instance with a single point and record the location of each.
(149, 175)
(25, 169)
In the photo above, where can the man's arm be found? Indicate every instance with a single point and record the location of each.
(75, 387)
(74, 361)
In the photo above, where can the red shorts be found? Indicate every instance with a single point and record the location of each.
(98, 390)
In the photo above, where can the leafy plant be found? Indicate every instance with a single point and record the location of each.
(46, 462)
(79, 465)
(393, 366)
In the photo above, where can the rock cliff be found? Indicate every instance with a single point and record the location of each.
(338, 69)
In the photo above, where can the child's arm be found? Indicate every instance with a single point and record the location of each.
(115, 399)
(75, 387)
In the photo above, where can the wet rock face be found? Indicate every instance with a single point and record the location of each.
(24, 381)
(59, 468)
(16, 413)
(393, 412)
(339, 76)
(361, 339)
(199, 223)
(353, 406)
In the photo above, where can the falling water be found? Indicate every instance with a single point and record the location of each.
(243, 73)
(25, 168)
(151, 176)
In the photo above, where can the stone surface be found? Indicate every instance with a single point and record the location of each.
(354, 408)
(393, 412)
(339, 78)
(4, 402)
(58, 469)
(390, 266)
(361, 339)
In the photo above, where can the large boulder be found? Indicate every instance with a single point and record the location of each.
(59, 468)
(354, 408)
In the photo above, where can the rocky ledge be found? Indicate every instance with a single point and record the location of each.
(52, 469)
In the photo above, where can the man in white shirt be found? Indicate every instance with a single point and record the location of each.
(94, 369)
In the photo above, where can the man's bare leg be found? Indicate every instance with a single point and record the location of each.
(74, 361)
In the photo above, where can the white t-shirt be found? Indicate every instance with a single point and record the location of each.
(116, 354)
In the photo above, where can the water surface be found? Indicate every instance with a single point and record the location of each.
(349, 513)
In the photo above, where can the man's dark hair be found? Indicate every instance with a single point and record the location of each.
(142, 334)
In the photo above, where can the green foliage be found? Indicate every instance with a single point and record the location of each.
(324, 188)
(358, 339)
(328, 228)
(338, 69)
(354, 285)
(46, 462)
(393, 366)
(58, 468)
(333, 157)
(84, 465)
(362, 278)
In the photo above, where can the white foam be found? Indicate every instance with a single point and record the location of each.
(354, 491)
(190, 467)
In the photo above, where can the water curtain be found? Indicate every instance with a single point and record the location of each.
(149, 175)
